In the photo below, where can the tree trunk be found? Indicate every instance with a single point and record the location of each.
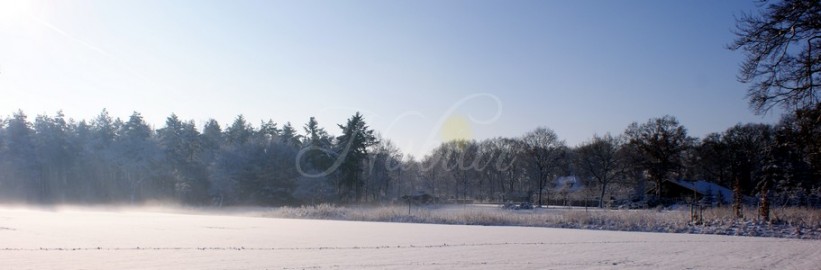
(764, 208)
(737, 197)
(658, 188)
(541, 190)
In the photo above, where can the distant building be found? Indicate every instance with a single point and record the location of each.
(704, 191)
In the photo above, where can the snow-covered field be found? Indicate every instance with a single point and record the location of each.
(97, 239)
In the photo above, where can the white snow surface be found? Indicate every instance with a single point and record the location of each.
(97, 239)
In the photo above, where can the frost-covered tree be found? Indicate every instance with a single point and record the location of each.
(462, 162)
(19, 159)
(384, 167)
(499, 157)
(182, 147)
(136, 156)
(239, 132)
(56, 153)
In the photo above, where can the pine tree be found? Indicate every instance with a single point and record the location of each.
(239, 132)
(289, 136)
(20, 159)
(316, 145)
(180, 142)
(352, 148)
(136, 156)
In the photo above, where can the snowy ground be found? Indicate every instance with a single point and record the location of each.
(95, 239)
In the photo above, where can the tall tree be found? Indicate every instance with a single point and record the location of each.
(136, 156)
(268, 130)
(796, 148)
(239, 132)
(289, 135)
(462, 163)
(20, 159)
(782, 46)
(599, 159)
(499, 159)
(513, 164)
(56, 154)
(383, 169)
(712, 159)
(313, 162)
(101, 158)
(316, 145)
(211, 139)
(546, 151)
(352, 149)
(661, 142)
(746, 146)
(180, 142)
(805, 134)
(315, 135)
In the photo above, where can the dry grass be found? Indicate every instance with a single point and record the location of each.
(788, 222)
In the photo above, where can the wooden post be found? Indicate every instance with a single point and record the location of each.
(409, 206)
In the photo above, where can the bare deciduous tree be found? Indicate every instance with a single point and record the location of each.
(782, 46)
(545, 150)
(598, 159)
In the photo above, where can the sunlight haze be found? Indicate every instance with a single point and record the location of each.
(578, 67)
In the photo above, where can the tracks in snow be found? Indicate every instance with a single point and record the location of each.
(320, 248)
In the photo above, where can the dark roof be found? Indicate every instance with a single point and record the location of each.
(706, 188)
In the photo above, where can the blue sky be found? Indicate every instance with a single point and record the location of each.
(495, 68)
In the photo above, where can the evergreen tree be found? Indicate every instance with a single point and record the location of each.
(268, 130)
(211, 139)
(19, 160)
(316, 147)
(352, 149)
(181, 145)
(56, 154)
(136, 156)
(239, 132)
(289, 136)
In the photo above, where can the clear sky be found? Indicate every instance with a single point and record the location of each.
(481, 69)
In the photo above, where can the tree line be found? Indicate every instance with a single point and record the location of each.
(57, 160)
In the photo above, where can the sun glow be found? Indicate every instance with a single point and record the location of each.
(456, 127)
